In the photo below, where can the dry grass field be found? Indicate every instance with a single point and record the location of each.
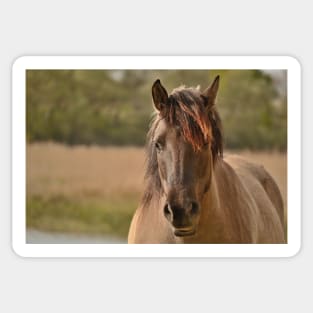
(83, 171)
(95, 190)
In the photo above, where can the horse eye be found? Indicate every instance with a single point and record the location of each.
(158, 146)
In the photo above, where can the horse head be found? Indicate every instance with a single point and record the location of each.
(184, 141)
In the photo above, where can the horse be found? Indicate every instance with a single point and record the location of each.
(193, 194)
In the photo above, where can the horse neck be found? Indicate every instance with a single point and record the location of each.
(220, 213)
(224, 206)
(210, 200)
(212, 219)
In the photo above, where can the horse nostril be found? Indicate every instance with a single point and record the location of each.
(194, 208)
(167, 211)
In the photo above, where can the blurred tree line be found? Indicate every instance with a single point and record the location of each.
(114, 107)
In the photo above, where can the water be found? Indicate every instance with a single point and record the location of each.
(35, 236)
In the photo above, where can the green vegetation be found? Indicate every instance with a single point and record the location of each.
(254, 115)
(114, 107)
(105, 216)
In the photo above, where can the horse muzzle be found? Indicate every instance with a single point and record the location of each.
(182, 218)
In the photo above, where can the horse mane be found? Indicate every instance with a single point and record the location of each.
(199, 126)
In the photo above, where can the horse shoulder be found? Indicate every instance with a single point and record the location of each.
(148, 226)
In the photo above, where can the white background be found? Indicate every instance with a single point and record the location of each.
(159, 27)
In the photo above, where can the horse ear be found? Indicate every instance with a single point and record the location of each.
(210, 93)
(159, 95)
